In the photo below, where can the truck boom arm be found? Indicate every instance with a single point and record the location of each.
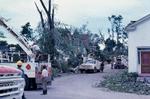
(21, 41)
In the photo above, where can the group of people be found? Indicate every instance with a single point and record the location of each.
(44, 76)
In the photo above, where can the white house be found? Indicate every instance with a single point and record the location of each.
(139, 46)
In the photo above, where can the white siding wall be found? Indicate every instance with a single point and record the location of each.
(138, 38)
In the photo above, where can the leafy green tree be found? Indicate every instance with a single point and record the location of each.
(3, 43)
(121, 49)
(27, 31)
(109, 45)
(117, 28)
(70, 42)
(117, 33)
(17, 47)
(47, 40)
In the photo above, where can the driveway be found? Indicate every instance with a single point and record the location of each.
(81, 86)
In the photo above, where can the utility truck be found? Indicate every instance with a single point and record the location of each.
(33, 60)
(90, 64)
(11, 83)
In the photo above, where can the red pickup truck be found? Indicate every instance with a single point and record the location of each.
(11, 83)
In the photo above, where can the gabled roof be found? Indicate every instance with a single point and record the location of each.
(132, 25)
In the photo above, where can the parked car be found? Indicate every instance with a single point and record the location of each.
(11, 83)
(90, 65)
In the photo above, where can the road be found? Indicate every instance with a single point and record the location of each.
(80, 86)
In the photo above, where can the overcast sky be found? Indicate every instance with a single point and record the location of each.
(76, 12)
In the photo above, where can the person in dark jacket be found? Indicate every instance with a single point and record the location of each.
(102, 67)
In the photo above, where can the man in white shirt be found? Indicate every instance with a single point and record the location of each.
(44, 79)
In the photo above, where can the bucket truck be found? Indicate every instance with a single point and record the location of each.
(33, 65)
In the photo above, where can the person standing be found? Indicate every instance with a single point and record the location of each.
(19, 66)
(102, 67)
(44, 79)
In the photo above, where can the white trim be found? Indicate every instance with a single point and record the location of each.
(132, 26)
(139, 65)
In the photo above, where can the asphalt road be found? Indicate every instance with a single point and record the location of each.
(80, 86)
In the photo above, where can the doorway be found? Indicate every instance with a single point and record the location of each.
(145, 62)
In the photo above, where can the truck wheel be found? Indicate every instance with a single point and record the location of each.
(95, 70)
(81, 71)
(27, 83)
(33, 84)
(98, 70)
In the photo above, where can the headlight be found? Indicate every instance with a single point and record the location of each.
(22, 85)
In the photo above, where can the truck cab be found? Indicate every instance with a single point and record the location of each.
(90, 65)
(11, 83)
(33, 59)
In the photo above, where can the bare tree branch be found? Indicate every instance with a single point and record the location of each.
(49, 10)
(102, 37)
(37, 7)
(44, 7)
(53, 13)
(41, 15)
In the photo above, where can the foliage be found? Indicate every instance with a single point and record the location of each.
(46, 43)
(2, 35)
(3, 43)
(27, 31)
(6, 45)
(55, 72)
(116, 43)
(16, 57)
(66, 41)
(125, 82)
(121, 49)
(3, 46)
(17, 47)
(70, 42)
(47, 39)
(110, 44)
(117, 27)
(65, 67)
(75, 61)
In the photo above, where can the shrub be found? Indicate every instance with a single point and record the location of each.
(55, 72)
(125, 82)
(64, 67)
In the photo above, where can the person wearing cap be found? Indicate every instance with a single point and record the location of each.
(44, 79)
(19, 66)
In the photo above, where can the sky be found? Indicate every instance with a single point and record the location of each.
(75, 12)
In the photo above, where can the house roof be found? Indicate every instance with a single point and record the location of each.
(132, 25)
